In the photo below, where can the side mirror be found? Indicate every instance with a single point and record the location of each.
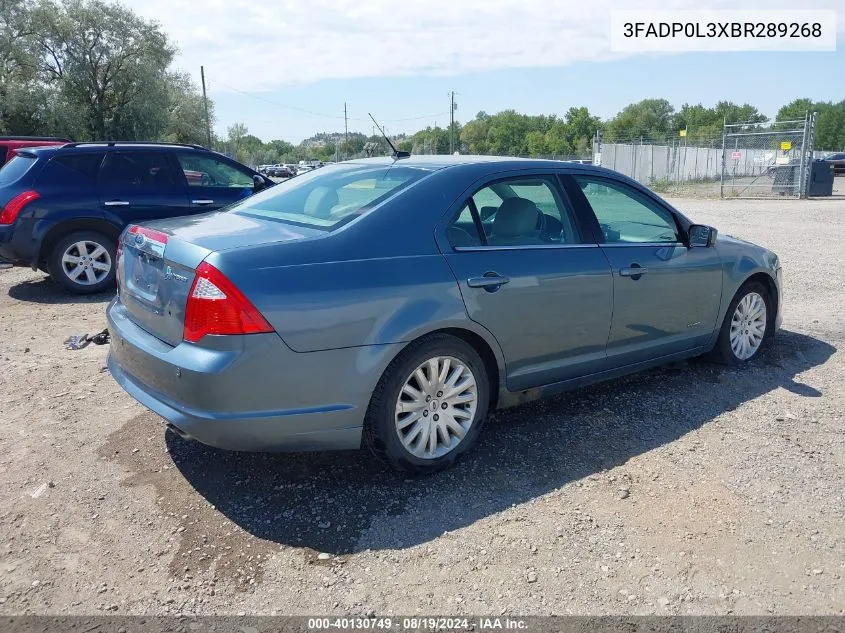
(258, 183)
(701, 236)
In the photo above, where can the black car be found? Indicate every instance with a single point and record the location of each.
(838, 162)
(63, 208)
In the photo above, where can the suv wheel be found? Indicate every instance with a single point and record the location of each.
(83, 262)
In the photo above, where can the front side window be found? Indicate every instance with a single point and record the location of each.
(207, 171)
(625, 215)
(525, 211)
(145, 170)
(330, 196)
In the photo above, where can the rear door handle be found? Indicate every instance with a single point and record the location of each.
(489, 280)
(116, 203)
(633, 271)
(202, 202)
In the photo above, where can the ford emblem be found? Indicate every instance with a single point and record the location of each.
(139, 239)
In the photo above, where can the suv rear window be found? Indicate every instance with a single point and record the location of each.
(329, 196)
(16, 168)
(73, 169)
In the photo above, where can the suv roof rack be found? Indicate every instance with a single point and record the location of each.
(113, 143)
(34, 138)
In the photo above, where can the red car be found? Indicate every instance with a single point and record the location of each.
(8, 144)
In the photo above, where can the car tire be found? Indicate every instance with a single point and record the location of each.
(387, 430)
(743, 324)
(79, 259)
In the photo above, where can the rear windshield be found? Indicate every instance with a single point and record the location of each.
(15, 168)
(329, 196)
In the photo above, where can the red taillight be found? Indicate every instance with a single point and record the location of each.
(215, 306)
(14, 206)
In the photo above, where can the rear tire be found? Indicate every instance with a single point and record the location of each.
(429, 406)
(82, 262)
(745, 331)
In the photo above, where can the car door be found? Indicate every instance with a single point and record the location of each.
(531, 275)
(214, 182)
(138, 185)
(666, 296)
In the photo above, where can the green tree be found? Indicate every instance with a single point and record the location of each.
(536, 143)
(649, 118)
(108, 63)
(185, 121)
(830, 124)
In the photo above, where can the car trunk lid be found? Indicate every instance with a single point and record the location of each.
(158, 262)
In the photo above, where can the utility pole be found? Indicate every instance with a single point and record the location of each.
(345, 134)
(205, 102)
(452, 122)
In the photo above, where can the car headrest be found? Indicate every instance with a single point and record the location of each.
(516, 216)
(320, 202)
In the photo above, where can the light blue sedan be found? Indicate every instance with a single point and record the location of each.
(391, 303)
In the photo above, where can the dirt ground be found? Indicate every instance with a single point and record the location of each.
(691, 489)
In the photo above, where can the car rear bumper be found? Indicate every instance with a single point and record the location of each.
(248, 393)
(11, 251)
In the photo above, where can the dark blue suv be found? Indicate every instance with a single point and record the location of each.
(62, 208)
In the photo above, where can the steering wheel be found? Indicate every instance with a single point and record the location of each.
(550, 229)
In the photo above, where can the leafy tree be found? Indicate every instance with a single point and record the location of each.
(649, 118)
(186, 112)
(108, 62)
(830, 125)
(536, 143)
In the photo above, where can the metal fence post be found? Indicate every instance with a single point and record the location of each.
(724, 146)
(803, 156)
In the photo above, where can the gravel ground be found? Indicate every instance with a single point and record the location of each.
(691, 489)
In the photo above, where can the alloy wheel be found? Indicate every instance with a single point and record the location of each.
(436, 407)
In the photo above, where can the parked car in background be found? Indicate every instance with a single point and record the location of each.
(284, 171)
(62, 208)
(392, 303)
(304, 169)
(9, 144)
(838, 161)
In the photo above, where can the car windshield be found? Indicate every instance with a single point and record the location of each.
(328, 197)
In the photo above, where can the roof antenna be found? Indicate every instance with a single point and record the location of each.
(396, 153)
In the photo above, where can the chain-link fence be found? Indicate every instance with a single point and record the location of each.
(681, 165)
(747, 160)
(765, 161)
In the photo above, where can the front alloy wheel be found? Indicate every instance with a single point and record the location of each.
(748, 326)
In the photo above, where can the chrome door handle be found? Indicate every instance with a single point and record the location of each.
(487, 281)
(202, 202)
(116, 203)
(633, 271)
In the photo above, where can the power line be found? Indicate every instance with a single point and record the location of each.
(314, 113)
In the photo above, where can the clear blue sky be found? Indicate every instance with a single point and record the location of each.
(764, 79)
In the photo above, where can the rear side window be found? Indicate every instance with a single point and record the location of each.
(73, 170)
(524, 211)
(16, 168)
(330, 196)
(138, 170)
